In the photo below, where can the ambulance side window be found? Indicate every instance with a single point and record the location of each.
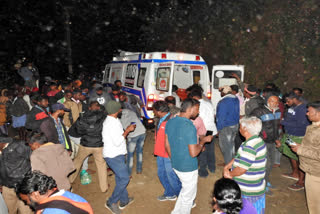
(141, 76)
(196, 77)
(130, 75)
(163, 79)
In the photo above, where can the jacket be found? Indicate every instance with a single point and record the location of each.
(35, 117)
(3, 112)
(253, 103)
(309, 151)
(48, 128)
(19, 107)
(14, 163)
(102, 99)
(76, 109)
(89, 127)
(295, 120)
(228, 112)
(270, 123)
(160, 139)
(53, 160)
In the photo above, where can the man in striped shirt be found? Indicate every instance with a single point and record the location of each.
(249, 165)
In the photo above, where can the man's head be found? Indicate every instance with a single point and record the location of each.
(68, 94)
(235, 89)
(53, 86)
(94, 106)
(35, 187)
(99, 90)
(76, 94)
(224, 90)
(292, 99)
(171, 100)
(250, 126)
(190, 107)
(114, 109)
(298, 91)
(194, 87)
(59, 109)
(250, 91)
(195, 94)
(118, 83)
(122, 96)
(314, 111)
(174, 88)
(160, 108)
(272, 100)
(37, 140)
(115, 90)
(42, 101)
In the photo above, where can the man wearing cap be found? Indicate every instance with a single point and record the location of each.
(53, 127)
(114, 151)
(227, 119)
(253, 100)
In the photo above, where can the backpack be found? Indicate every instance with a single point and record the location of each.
(14, 163)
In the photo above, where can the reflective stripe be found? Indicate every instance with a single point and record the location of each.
(268, 117)
(160, 61)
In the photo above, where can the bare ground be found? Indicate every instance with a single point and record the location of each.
(146, 187)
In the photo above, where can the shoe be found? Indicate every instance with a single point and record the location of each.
(194, 204)
(113, 208)
(296, 187)
(270, 186)
(167, 198)
(124, 205)
(287, 175)
(268, 192)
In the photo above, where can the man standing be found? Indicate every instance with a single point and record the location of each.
(253, 99)
(166, 175)
(270, 115)
(309, 156)
(295, 123)
(182, 147)
(114, 151)
(37, 113)
(75, 106)
(89, 128)
(207, 157)
(100, 96)
(228, 113)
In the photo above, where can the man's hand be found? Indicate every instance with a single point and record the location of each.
(295, 147)
(226, 173)
(278, 143)
(207, 139)
(131, 128)
(235, 76)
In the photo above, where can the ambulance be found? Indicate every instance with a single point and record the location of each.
(150, 76)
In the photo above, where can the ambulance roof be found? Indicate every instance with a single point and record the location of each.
(151, 56)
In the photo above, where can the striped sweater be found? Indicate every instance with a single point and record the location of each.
(252, 157)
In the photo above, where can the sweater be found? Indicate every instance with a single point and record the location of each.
(228, 112)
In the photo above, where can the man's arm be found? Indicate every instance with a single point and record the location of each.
(195, 149)
(234, 173)
(167, 146)
(306, 151)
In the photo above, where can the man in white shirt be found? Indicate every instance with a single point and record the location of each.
(114, 151)
(207, 157)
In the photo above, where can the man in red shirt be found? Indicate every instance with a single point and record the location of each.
(167, 176)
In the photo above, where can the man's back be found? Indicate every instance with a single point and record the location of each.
(181, 132)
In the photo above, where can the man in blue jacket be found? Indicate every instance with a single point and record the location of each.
(227, 118)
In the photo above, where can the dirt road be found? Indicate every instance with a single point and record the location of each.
(146, 187)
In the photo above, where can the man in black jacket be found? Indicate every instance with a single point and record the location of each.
(54, 129)
(39, 112)
(14, 164)
(270, 117)
(89, 127)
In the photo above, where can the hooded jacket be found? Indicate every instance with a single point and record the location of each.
(270, 123)
(35, 117)
(253, 103)
(53, 160)
(89, 127)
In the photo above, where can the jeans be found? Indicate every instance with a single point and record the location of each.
(76, 142)
(207, 158)
(271, 149)
(188, 192)
(119, 167)
(227, 137)
(277, 157)
(133, 143)
(168, 177)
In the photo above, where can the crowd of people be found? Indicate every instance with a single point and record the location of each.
(48, 134)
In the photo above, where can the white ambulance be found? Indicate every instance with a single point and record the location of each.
(221, 76)
(150, 76)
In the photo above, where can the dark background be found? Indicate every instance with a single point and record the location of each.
(277, 41)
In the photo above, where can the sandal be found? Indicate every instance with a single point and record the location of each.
(287, 175)
(296, 187)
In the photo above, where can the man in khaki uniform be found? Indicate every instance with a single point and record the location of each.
(75, 106)
(309, 156)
